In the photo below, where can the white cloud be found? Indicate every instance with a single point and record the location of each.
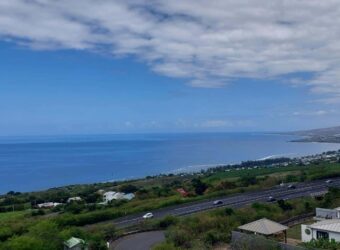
(211, 124)
(208, 43)
(314, 113)
(215, 124)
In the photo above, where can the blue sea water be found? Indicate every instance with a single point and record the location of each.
(35, 163)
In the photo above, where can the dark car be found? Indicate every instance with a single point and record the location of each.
(271, 199)
(218, 202)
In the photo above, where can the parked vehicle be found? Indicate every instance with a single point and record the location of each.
(291, 186)
(329, 181)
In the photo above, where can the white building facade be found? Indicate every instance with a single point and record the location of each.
(325, 229)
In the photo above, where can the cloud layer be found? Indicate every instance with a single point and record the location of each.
(208, 43)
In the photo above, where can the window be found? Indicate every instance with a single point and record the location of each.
(322, 235)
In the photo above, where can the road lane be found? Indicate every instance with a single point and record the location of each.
(235, 201)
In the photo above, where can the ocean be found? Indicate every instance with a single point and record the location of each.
(36, 163)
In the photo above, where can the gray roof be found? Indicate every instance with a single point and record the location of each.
(73, 241)
(263, 226)
(327, 225)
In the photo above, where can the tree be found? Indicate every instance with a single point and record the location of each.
(199, 186)
(248, 180)
(48, 233)
(128, 188)
(285, 206)
(24, 243)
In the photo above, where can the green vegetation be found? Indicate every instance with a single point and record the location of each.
(205, 230)
(32, 228)
(323, 244)
(294, 232)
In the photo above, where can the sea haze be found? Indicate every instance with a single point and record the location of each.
(34, 163)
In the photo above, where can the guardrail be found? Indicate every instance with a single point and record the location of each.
(297, 219)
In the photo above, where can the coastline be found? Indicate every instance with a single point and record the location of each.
(62, 164)
(267, 162)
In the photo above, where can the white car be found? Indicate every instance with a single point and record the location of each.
(329, 181)
(147, 216)
(218, 202)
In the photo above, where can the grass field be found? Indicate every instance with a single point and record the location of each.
(295, 231)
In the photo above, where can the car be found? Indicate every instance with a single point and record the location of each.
(291, 186)
(148, 216)
(271, 199)
(329, 181)
(218, 202)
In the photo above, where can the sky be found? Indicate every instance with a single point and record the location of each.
(127, 66)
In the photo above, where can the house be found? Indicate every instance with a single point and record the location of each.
(118, 196)
(129, 196)
(325, 229)
(75, 244)
(71, 199)
(48, 204)
(111, 195)
(108, 196)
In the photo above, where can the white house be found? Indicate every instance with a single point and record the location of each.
(118, 196)
(108, 196)
(48, 204)
(129, 196)
(327, 229)
(111, 195)
(77, 198)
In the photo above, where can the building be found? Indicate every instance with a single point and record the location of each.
(265, 227)
(129, 196)
(75, 244)
(108, 196)
(71, 199)
(325, 229)
(111, 195)
(48, 204)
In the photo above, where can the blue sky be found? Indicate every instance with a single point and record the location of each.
(64, 76)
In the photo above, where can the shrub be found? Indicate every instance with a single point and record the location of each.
(167, 221)
(179, 237)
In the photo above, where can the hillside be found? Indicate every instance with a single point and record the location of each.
(331, 135)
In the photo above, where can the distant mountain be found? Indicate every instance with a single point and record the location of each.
(319, 135)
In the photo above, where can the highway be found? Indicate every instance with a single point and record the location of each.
(234, 201)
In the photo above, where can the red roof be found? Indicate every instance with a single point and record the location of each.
(182, 191)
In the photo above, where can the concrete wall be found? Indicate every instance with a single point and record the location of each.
(304, 236)
(327, 213)
(335, 236)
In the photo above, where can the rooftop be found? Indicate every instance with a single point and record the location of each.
(332, 225)
(73, 241)
(263, 226)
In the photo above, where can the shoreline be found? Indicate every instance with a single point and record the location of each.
(116, 172)
(269, 161)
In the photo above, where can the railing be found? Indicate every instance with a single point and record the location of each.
(297, 219)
